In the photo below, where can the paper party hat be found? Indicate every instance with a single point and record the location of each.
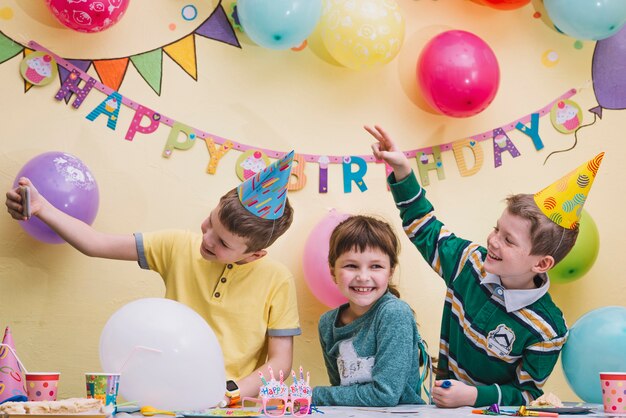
(563, 200)
(12, 383)
(265, 193)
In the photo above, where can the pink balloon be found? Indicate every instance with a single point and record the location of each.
(315, 261)
(88, 15)
(458, 74)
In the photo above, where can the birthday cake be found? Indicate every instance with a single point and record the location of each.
(62, 407)
(547, 399)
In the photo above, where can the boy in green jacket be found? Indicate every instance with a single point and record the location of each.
(501, 333)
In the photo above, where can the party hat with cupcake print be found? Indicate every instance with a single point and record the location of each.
(563, 200)
(265, 193)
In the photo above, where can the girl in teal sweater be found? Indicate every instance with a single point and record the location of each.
(371, 345)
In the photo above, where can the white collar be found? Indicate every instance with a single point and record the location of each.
(516, 299)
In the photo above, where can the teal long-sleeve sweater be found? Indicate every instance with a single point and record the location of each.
(374, 360)
(507, 355)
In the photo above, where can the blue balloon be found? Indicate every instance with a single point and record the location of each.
(596, 343)
(279, 24)
(587, 19)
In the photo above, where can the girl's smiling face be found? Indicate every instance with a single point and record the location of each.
(362, 277)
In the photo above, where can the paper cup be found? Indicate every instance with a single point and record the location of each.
(613, 392)
(103, 386)
(42, 386)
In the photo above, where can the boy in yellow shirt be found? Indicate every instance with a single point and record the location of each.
(248, 300)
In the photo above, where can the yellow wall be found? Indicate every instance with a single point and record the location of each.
(57, 300)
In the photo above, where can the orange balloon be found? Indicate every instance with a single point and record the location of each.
(503, 4)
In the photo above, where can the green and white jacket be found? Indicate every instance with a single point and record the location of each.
(503, 341)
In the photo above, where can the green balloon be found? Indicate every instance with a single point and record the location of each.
(582, 256)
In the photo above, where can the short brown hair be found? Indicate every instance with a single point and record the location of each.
(260, 232)
(360, 232)
(546, 237)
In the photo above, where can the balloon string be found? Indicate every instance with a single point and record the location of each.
(595, 117)
(16, 356)
(133, 352)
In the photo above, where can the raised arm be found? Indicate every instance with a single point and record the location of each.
(77, 233)
(385, 149)
(439, 247)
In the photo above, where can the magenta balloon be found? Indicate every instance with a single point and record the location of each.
(315, 261)
(66, 182)
(88, 16)
(458, 73)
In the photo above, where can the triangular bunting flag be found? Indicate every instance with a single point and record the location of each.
(8, 48)
(150, 68)
(111, 72)
(27, 85)
(218, 27)
(82, 65)
(183, 53)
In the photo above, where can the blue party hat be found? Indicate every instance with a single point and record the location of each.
(265, 193)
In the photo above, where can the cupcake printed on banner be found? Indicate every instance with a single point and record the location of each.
(566, 116)
(251, 163)
(38, 68)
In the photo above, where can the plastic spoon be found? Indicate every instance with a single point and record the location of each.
(149, 411)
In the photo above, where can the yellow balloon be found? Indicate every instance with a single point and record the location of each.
(362, 33)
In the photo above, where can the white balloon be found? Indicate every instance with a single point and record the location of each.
(167, 354)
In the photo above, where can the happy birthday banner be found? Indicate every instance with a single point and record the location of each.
(565, 115)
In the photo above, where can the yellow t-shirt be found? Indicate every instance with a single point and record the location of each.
(243, 304)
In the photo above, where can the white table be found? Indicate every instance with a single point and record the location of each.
(402, 411)
(423, 411)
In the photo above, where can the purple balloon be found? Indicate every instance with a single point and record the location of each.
(66, 182)
(608, 71)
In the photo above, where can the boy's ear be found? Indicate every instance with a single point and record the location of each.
(544, 264)
(255, 256)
